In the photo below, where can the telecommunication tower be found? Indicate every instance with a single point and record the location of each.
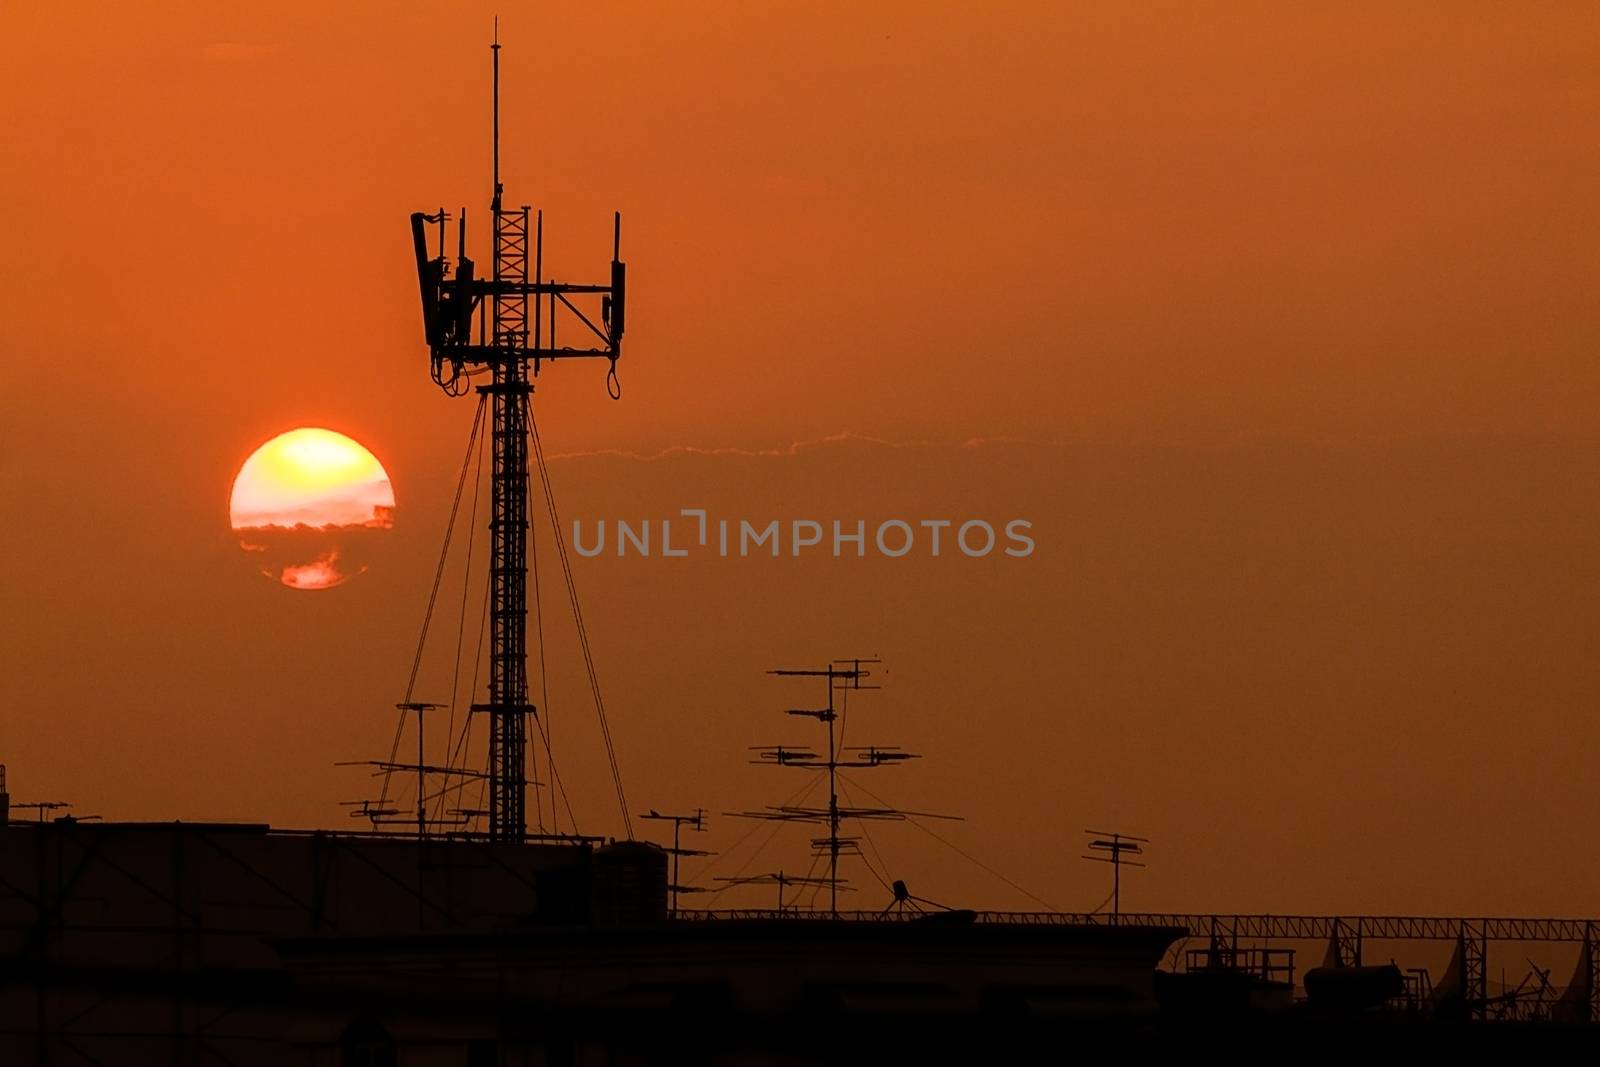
(503, 328)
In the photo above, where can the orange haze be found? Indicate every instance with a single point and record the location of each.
(1278, 321)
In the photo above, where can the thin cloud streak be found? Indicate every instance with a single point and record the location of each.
(798, 447)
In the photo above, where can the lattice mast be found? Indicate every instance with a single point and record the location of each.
(508, 706)
(452, 298)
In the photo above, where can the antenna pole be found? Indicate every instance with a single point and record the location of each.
(697, 821)
(422, 782)
(1116, 880)
(846, 674)
(1111, 847)
(421, 708)
(495, 50)
(833, 808)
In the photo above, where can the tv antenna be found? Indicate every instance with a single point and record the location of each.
(840, 676)
(42, 806)
(783, 881)
(1111, 848)
(695, 822)
(376, 811)
(505, 326)
(379, 813)
(39, 807)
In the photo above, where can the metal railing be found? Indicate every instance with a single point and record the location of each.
(1250, 927)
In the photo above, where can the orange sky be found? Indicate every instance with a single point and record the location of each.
(1295, 304)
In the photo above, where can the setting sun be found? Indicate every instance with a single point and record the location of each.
(304, 501)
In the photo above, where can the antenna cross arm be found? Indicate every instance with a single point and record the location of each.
(429, 768)
(490, 355)
(507, 288)
(820, 714)
(504, 709)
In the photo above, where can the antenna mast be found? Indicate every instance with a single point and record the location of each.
(380, 814)
(452, 299)
(495, 51)
(1112, 847)
(696, 822)
(840, 676)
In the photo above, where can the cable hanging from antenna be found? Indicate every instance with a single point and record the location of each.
(433, 598)
(577, 617)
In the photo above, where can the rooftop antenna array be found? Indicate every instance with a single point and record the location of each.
(782, 881)
(504, 328)
(380, 814)
(42, 806)
(1111, 848)
(840, 677)
(696, 822)
(7, 806)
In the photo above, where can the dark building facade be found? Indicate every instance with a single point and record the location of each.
(213, 943)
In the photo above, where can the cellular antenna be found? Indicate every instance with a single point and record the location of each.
(479, 328)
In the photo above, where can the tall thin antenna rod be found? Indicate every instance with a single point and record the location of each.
(421, 708)
(495, 48)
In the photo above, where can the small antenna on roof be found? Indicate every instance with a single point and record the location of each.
(781, 880)
(1113, 847)
(696, 822)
